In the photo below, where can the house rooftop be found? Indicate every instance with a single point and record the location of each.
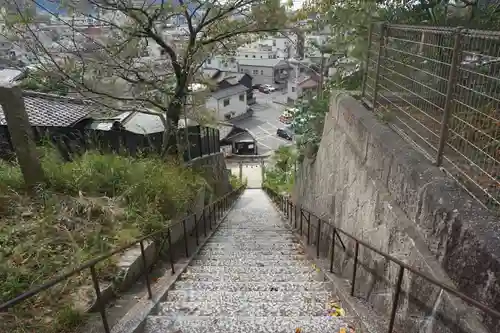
(47, 110)
(231, 91)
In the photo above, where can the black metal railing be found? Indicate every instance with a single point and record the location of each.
(204, 221)
(290, 211)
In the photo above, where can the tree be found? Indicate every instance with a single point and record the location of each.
(141, 47)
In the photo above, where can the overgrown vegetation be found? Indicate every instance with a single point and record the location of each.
(236, 182)
(280, 176)
(89, 206)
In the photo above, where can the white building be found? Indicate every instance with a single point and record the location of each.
(223, 63)
(228, 103)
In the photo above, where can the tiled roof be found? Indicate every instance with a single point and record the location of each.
(51, 110)
(231, 91)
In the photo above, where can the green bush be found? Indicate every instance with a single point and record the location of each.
(280, 176)
(89, 206)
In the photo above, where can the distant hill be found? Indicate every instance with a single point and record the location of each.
(53, 6)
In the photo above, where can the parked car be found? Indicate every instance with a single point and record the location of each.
(256, 86)
(264, 90)
(285, 133)
(269, 87)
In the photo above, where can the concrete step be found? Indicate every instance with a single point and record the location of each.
(191, 295)
(236, 307)
(223, 324)
(249, 263)
(253, 256)
(288, 271)
(252, 286)
(247, 277)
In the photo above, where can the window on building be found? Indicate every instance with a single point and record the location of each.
(274, 42)
(242, 70)
(293, 89)
(209, 61)
(261, 72)
(261, 57)
(246, 55)
(226, 101)
(255, 72)
(242, 97)
(253, 56)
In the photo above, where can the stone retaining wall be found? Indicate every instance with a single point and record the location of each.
(371, 183)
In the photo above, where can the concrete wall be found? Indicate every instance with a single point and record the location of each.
(371, 183)
(261, 75)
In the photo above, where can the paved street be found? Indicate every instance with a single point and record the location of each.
(265, 121)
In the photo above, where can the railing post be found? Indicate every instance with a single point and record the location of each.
(308, 228)
(196, 230)
(204, 222)
(295, 217)
(301, 220)
(171, 250)
(450, 88)
(383, 31)
(100, 304)
(367, 60)
(318, 238)
(185, 237)
(354, 268)
(333, 249)
(145, 268)
(396, 298)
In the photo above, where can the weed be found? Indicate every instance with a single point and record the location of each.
(90, 205)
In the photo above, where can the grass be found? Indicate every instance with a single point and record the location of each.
(89, 206)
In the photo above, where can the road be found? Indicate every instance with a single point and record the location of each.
(265, 121)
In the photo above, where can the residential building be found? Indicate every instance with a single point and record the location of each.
(302, 87)
(228, 103)
(226, 79)
(258, 52)
(265, 71)
(223, 63)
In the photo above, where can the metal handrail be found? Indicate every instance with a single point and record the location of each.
(216, 208)
(286, 205)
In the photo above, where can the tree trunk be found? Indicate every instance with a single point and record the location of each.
(21, 136)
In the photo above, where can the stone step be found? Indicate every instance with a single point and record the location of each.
(247, 277)
(253, 256)
(251, 270)
(248, 262)
(236, 307)
(223, 324)
(191, 295)
(251, 237)
(252, 286)
(236, 252)
(242, 247)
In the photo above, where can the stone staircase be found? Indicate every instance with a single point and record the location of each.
(251, 276)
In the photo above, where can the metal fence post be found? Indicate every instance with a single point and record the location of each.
(443, 134)
(396, 298)
(367, 60)
(200, 145)
(318, 238)
(383, 31)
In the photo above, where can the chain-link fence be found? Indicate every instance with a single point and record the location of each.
(440, 87)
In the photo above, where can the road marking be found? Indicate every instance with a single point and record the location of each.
(265, 131)
(256, 139)
(276, 127)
